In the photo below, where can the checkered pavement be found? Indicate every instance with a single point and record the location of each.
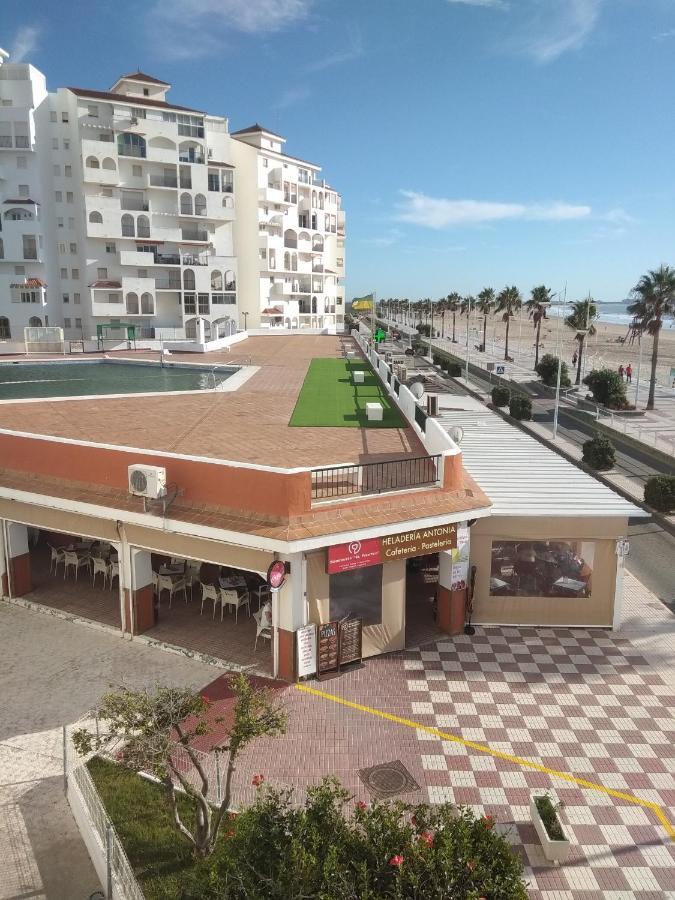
(580, 702)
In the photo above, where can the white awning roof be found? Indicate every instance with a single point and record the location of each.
(521, 476)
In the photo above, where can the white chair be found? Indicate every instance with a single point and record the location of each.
(232, 598)
(73, 561)
(263, 624)
(58, 555)
(172, 585)
(210, 592)
(192, 576)
(114, 572)
(155, 578)
(99, 566)
(263, 590)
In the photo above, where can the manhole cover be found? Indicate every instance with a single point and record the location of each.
(388, 780)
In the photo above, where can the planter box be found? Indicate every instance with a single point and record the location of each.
(555, 851)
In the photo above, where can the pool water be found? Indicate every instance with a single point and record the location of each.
(21, 381)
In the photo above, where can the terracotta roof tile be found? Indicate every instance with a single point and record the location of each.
(132, 101)
(141, 76)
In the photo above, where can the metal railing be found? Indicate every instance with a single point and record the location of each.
(164, 181)
(375, 478)
(420, 417)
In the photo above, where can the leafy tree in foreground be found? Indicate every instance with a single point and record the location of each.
(547, 370)
(607, 387)
(387, 850)
(152, 724)
(654, 301)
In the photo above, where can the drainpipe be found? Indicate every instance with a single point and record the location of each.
(125, 580)
(8, 562)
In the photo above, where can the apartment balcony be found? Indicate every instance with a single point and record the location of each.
(278, 291)
(140, 205)
(168, 284)
(163, 181)
(192, 158)
(272, 194)
(161, 155)
(195, 235)
(136, 258)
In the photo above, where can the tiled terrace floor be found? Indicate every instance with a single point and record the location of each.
(585, 702)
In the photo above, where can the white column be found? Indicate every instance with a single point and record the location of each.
(618, 594)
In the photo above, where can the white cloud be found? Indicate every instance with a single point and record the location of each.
(188, 28)
(498, 4)
(618, 216)
(25, 43)
(561, 26)
(665, 35)
(292, 96)
(439, 212)
(353, 49)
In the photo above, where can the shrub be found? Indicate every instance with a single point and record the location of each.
(424, 329)
(548, 810)
(501, 395)
(454, 370)
(598, 453)
(660, 492)
(437, 360)
(547, 370)
(520, 407)
(387, 850)
(607, 387)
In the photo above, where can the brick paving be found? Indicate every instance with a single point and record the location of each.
(585, 702)
(247, 425)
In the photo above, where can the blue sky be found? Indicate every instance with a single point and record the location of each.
(475, 142)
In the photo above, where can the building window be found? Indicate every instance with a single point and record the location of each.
(58, 196)
(131, 145)
(66, 323)
(55, 143)
(24, 190)
(92, 110)
(265, 162)
(75, 274)
(356, 594)
(59, 222)
(21, 162)
(78, 323)
(69, 197)
(114, 298)
(71, 223)
(64, 117)
(203, 304)
(189, 304)
(146, 92)
(110, 248)
(66, 144)
(541, 568)
(52, 116)
(73, 248)
(19, 270)
(65, 298)
(137, 171)
(76, 298)
(68, 171)
(29, 246)
(5, 330)
(30, 297)
(63, 273)
(62, 247)
(102, 273)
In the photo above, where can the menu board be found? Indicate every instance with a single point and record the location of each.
(350, 641)
(328, 648)
(306, 648)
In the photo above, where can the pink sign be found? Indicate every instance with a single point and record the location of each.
(354, 555)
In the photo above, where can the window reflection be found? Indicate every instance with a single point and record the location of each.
(541, 568)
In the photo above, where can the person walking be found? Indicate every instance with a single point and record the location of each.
(621, 371)
(629, 373)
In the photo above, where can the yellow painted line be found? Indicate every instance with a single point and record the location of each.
(482, 748)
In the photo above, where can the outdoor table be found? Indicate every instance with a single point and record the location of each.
(171, 571)
(570, 584)
(232, 581)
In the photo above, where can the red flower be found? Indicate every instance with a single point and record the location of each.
(396, 861)
(362, 805)
(205, 700)
(428, 838)
(257, 780)
(488, 822)
(471, 865)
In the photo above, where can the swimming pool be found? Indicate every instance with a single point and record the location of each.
(23, 381)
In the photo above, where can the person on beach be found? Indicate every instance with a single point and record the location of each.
(629, 373)
(621, 371)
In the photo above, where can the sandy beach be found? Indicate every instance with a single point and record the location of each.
(602, 350)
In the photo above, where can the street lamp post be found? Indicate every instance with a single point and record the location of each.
(559, 352)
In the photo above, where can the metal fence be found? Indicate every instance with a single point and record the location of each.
(375, 478)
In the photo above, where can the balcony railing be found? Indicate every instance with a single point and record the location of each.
(167, 284)
(137, 205)
(375, 478)
(164, 181)
(191, 158)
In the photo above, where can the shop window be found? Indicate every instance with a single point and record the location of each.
(541, 568)
(356, 594)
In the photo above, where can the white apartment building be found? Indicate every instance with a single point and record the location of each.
(121, 207)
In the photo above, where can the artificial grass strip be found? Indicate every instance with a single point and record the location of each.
(329, 398)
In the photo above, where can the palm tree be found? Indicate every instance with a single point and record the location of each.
(466, 305)
(441, 307)
(654, 300)
(509, 302)
(540, 297)
(584, 313)
(453, 300)
(484, 305)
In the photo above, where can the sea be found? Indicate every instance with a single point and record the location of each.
(614, 312)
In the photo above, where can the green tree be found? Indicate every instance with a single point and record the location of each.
(598, 452)
(509, 302)
(485, 304)
(536, 304)
(584, 314)
(547, 370)
(453, 302)
(607, 387)
(654, 301)
(153, 723)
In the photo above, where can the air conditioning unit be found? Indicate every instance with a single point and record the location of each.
(147, 481)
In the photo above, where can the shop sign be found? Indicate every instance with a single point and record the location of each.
(276, 574)
(350, 641)
(306, 650)
(418, 542)
(354, 555)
